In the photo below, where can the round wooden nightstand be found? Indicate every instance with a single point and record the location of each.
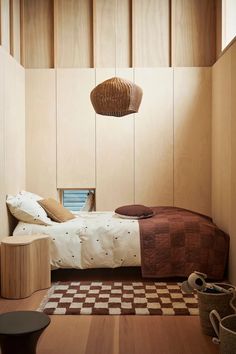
(20, 331)
(25, 265)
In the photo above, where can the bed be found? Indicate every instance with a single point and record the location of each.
(91, 240)
(174, 242)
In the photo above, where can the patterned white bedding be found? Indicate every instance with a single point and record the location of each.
(91, 240)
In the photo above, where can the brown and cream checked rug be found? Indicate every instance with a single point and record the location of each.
(119, 298)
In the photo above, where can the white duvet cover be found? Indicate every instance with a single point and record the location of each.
(91, 240)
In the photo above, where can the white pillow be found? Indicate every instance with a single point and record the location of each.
(27, 209)
(30, 195)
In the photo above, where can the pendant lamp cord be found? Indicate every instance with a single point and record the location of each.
(116, 7)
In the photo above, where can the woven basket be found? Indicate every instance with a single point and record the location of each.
(208, 302)
(116, 97)
(228, 335)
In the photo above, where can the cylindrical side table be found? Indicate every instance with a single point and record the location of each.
(20, 331)
(25, 265)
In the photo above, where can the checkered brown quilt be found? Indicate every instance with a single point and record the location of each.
(119, 298)
(176, 242)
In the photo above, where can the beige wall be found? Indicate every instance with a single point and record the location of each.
(160, 156)
(224, 149)
(12, 134)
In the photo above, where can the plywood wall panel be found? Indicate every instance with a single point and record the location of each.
(193, 32)
(112, 35)
(15, 32)
(124, 33)
(73, 33)
(218, 28)
(38, 34)
(192, 139)
(232, 258)
(151, 33)
(75, 129)
(12, 136)
(154, 138)
(114, 154)
(224, 150)
(3, 213)
(221, 142)
(41, 132)
(5, 24)
(14, 126)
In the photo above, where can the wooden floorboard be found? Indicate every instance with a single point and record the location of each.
(116, 334)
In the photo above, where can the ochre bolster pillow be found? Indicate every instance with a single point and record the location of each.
(55, 210)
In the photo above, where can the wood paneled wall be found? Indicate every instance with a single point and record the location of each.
(122, 33)
(73, 33)
(10, 31)
(15, 30)
(12, 134)
(221, 137)
(40, 90)
(37, 34)
(192, 137)
(232, 260)
(193, 32)
(5, 24)
(151, 33)
(114, 154)
(154, 138)
(75, 129)
(148, 159)
(224, 149)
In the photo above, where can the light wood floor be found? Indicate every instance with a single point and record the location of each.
(117, 334)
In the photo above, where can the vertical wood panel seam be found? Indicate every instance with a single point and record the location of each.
(0, 22)
(134, 164)
(22, 35)
(132, 34)
(55, 23)
(53, 37)
(173, 127)
(94, 35)
(56, 123)
(11, 25)
(4, 118)
(231, 119)
(170, 33)
(95, 146)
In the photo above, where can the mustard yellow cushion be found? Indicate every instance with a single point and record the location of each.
(55, 210)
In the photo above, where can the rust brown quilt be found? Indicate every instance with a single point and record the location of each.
(176, 242)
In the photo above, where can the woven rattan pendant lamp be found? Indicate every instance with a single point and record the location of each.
(116, 96)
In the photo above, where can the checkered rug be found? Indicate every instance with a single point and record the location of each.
(119, 298)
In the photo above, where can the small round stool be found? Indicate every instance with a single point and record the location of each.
(20, 331)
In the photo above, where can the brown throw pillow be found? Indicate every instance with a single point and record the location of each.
(135, 211)
(55, 210)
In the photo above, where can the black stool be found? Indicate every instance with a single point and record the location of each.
(20, 331)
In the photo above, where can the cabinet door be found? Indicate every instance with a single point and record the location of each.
(75, 129)
(221, 141)
(192, 137)
(114, 153)
(154, 138)
(41, 132)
